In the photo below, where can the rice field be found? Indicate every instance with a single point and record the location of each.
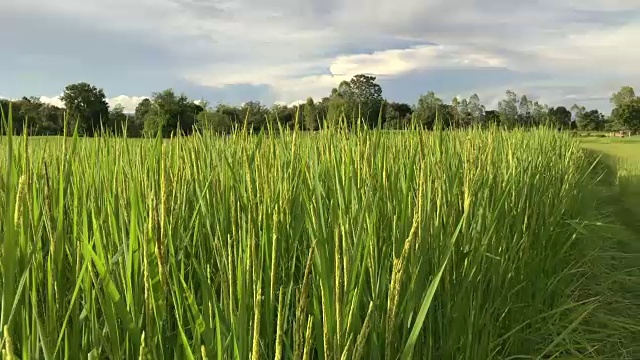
(377, 245)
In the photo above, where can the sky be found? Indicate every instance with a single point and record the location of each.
(559, 52)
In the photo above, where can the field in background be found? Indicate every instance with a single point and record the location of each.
(444, 245)
(619, 208)
(623, 158)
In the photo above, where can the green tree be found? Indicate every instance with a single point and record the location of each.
(401, 110)
(142, 109)
(625, 95)
(627, 115)
(476, 109)
(232, 112)
(492, 117)
(286, 116)
(214, 121)
(310, 115)
(135, 124)
(592, 120)
(524, 111)
(397, 115)
(466, 118)
(425, 111)
(508, 109)
(255, 114)
(560, 117)
(359, 100)
(156, 120)
(539, 114)
(460, 111)
(170, 113)
(87, 107)
(118, 119)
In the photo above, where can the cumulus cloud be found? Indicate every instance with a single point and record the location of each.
(303, 48)
(55, 101)
(129, 103)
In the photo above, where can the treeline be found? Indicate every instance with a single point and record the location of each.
(358, 102)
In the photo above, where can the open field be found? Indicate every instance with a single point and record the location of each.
(426, 245)
(623, 157)
(619, 208)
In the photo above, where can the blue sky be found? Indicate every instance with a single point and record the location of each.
(555, 51)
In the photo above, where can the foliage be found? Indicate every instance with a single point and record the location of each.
(311, 119)
(508, 109)
(359, 100)
(353, 103)
(214, 121)
(397, 115)
(592, 120)
(118, 120)
(560, 117)
(627, 115)
(87, 107)
(170, 114)
(428, 107)
(625, 95)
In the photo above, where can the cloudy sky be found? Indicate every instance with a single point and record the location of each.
(556, 51)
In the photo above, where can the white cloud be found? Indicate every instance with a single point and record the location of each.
(305, 47)
(128, 102)
(55, 101)
(289, 82)
(600, 50)
(401, 61)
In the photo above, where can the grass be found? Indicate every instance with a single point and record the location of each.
(446, 245)
(619, 258)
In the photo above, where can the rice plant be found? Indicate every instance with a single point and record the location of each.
(332, 245)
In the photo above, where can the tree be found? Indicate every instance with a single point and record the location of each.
(135, 126)
(627, 115)
(285, 116)
(431, 110)
(310, 115)
(625, 95)
(398, 111)
(524, 106)
(50, 120)
(87, 107)
(539, 114)
(476, 109)
(577, 110)
(460, 111)
(255, 114)
(397, 115)
(508, 109)
(118, 120)
(360, 100)
(214, 121)
(560, 117)
(232, 112)
(426, 109)
(142, 109)
(492, 117)
(592, 120)
(170, 114)
(524, 111)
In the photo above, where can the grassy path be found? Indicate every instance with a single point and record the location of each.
(620, 209)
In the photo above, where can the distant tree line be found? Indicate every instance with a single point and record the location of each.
(355, 103)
